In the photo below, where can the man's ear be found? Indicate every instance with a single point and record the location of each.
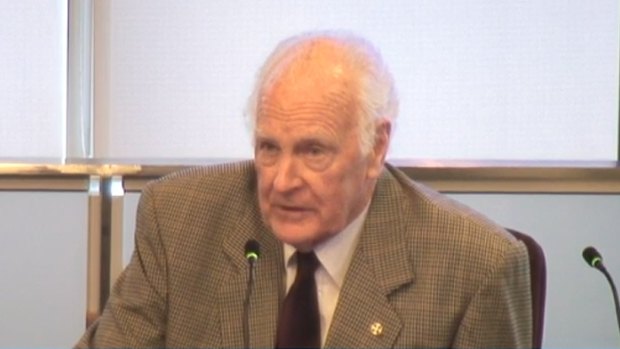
(383, 130)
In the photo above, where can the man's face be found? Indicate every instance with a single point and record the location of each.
(313, 179)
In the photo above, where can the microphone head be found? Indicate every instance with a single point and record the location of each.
(592, 257)
(252, 250)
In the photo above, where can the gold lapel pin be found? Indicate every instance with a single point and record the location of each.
(376, 329)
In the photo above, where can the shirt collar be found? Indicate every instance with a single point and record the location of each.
(335, 253)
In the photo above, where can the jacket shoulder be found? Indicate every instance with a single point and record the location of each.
(220, 179)
(199, 191)
(445, 228)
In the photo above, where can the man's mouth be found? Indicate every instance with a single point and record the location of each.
(289, 208)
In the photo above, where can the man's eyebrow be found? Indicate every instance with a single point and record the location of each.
(314, 142)
(310, 141)
(263, 139)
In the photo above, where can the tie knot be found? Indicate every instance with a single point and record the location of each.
(307, 262)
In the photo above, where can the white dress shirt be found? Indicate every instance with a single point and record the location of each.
(335, 256)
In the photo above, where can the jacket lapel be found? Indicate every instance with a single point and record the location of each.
(364, 317)
(268, 278)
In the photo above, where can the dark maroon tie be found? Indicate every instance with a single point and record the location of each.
(299, 325)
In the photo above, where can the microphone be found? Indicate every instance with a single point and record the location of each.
(251, 253)
(595, 260)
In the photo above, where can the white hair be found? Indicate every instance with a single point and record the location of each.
(375, 94)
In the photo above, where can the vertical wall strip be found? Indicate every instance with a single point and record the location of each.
(117, 195)
(79, 133)
(106, 226)
(93, 273)
(105, 240)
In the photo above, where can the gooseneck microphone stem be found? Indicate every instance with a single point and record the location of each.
(614, 292)
(595, 260)
(252, 252)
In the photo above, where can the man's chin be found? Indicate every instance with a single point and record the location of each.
(301, 239)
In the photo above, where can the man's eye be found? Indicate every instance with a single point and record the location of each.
(318, 158)
(266, 153)
(268, 147)
(316, 151)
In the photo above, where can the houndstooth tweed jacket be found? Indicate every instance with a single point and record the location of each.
(427, 272)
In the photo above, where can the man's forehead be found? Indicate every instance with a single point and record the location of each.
(305, 106)
(312, 88)
(331, 111)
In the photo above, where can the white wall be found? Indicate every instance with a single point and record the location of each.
(526, 80)
(478, 79)
(33, 46)
(43, 268)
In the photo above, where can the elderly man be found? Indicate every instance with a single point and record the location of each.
(352, 252)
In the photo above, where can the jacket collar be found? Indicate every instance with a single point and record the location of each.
(364, 316)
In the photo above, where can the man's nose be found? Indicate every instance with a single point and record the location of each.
(287, 174)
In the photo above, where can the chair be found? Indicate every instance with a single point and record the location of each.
(538, 282)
